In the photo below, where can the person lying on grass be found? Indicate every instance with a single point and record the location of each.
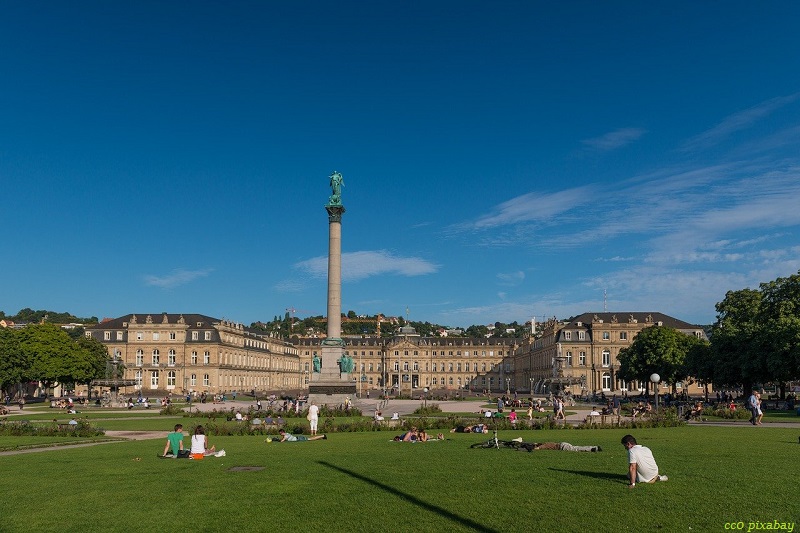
(477, 428)
(562, 446)
(288, 437)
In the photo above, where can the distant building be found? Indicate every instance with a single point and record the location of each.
(586, 349)
(179, 353)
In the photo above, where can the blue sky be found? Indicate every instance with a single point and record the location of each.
(501, 160)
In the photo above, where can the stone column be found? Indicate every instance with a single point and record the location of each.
(331, 386)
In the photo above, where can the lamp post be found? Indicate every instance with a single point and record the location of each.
(531, 389)
(508, 385)
(425, 402)
(655, 378)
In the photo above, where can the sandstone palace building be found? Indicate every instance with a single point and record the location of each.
(582, 353)
(166, 353)
(183, 353)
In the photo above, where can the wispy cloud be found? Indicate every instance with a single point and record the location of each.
(365, 264)
(614, 139)
(533, 206)
(176, 278)
(511, 278)
(736, 122)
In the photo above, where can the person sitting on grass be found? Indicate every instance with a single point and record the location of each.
(200, 447)
(408, 436)
(642, 466)
(288, 437)
(174, 441)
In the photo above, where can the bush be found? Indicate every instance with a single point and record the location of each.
(25, 428)
(736, 414)
(432, 409)
(171, 409)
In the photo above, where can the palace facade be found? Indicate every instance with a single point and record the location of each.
(176, 353)
(408, 363)
(582, 354)
(181, 353)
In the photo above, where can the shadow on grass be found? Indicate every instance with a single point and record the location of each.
(622, 478)
(413, 499)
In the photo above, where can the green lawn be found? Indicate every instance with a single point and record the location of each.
(364, 482)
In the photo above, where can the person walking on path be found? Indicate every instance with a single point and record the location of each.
(752, 404)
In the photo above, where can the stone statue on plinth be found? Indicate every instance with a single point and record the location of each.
(337, 182)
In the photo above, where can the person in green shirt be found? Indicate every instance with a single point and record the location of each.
(174, 441)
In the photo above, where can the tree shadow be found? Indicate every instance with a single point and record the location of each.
(466, 522)
(622, 478)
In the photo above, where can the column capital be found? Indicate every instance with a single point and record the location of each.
(335, 212)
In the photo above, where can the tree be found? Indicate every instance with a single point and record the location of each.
(657, 349)
(56, 358)
(780, 317)
(92, 360)
(14, 365)
(735, 338)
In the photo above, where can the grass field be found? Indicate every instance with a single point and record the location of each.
(364, 482)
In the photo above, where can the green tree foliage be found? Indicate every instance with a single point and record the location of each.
(657, 349)
(780, 326)
(47, 353)
(14, 365)
(736, 356)
(756, 338)
(30, 316)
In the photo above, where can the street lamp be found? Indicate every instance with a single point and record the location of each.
(508, 385)
(655, 378)
(425, 403)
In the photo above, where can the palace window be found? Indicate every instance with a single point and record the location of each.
(119, 335)
(606, 336)
(606, 358)
(139, 357)
(208, 336)
(567, 335)
(139, 336)
(581, 335)
(582, 358)
(206, 380)
(173, 335)
(171, 378)
(206, 357)
(156, 336)
(623, 335)
(193, 380)
(194, 358)
(195, 335)
(569, 358)
(171, 358)
(153, 379)
(156, 357)
(606, 381)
